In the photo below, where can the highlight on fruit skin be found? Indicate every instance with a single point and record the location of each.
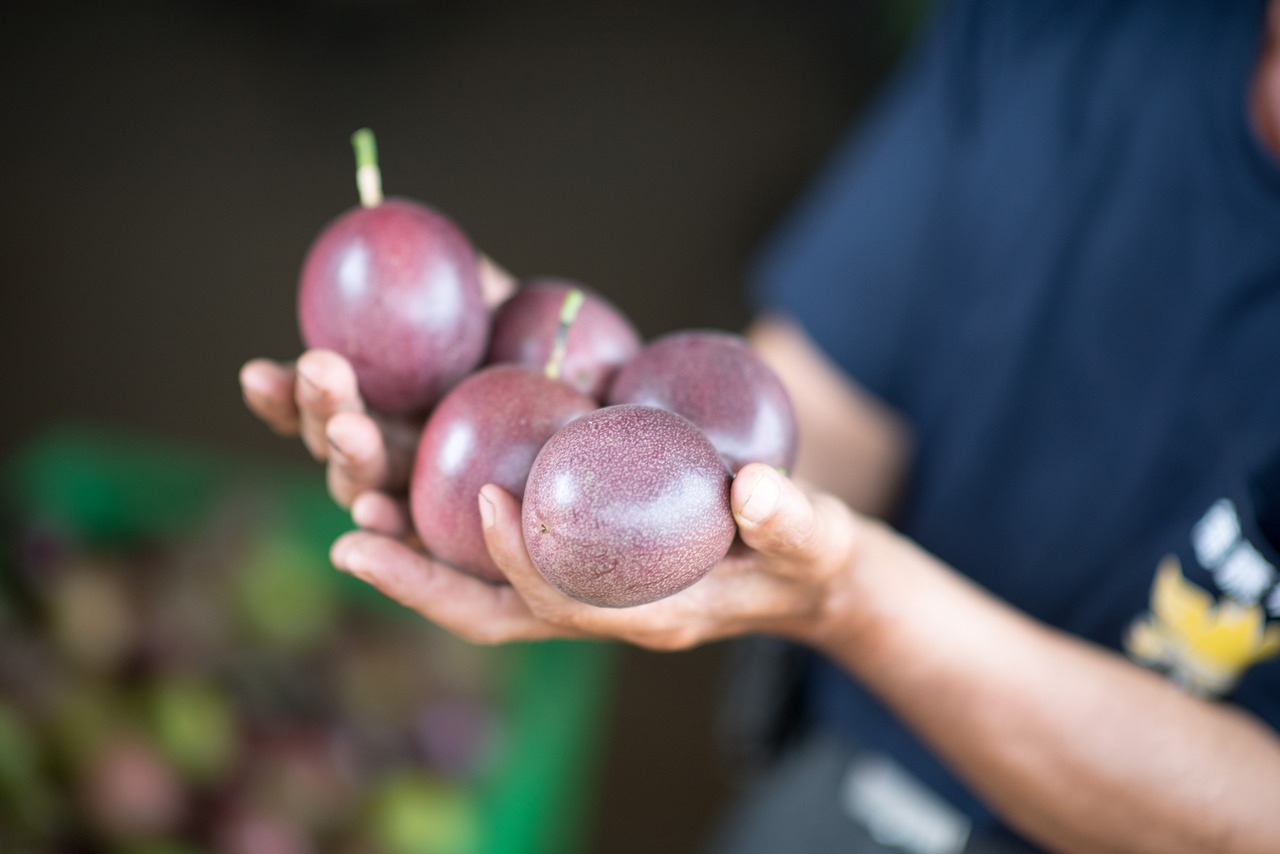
(627, 505)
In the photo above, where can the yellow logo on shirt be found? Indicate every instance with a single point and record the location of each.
(1204, 644)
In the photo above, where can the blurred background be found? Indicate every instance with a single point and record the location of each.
(165, 168)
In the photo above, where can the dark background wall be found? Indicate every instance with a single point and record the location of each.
(166, 164)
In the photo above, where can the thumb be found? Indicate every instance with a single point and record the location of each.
(775, 517)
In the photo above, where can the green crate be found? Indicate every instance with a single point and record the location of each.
(112, 489)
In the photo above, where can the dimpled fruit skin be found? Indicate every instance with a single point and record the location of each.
(719, 383)
(627, 505)
(488, 429)
(396, 290)
(601, 339)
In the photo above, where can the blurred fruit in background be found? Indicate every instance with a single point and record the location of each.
(182, 671)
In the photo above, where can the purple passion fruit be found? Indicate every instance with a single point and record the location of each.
(488, 429)
(594, 338)
(627, 505)
(719, 383)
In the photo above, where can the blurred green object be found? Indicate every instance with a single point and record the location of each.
(415, 813)
(281, 598)
(27, 802)
(195, 727)
(110, 489)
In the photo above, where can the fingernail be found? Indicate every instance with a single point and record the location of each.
(486, 510)
(349, 562)
(762, 500)
(250, 381)
(361, 511)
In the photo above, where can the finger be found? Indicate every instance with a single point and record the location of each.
(382, 514)
(470, 608)
(681, 621)
(368, 452)
(358, 459)
(776, 518)
(496, 282)
(504, 536)
(400, 443)
(326, 386)
(267, 387)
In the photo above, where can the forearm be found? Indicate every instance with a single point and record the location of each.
(1071, 743)
(851, 445)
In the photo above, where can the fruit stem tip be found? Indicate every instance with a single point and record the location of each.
(368, 176)
(568, 313)
(572, 303)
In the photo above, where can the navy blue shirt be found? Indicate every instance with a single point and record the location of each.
(1054, 247)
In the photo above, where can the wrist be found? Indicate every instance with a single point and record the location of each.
(851, 613)
(880, 610)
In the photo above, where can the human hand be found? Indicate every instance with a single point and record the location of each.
(787, 577)
(368, 456)
(317, 398)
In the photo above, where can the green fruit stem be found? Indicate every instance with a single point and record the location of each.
(568, 313)
(368, 176)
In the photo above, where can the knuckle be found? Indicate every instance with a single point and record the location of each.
(316, 444)
(549, 612)
(566, 616)
(283, 426)
(809, 536)
(341, 497)
(354, 473)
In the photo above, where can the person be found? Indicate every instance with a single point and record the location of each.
(1029, 317)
